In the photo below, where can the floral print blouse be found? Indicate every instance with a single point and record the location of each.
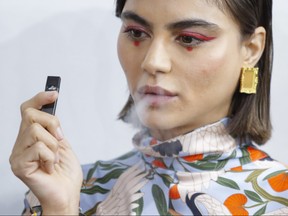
(204, 172)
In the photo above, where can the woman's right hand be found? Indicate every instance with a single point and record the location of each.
(43, 159)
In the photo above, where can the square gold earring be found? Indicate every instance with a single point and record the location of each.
(249, 80)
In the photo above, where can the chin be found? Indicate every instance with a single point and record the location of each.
(158, 123)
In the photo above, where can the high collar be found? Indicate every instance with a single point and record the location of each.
(209, 139)
(210, 147)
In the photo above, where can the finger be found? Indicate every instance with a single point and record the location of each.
(68, 161)
(33, 134)
(49, 122)
(38, 157)
(39, 100)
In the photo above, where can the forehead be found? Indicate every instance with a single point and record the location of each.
(164, 11)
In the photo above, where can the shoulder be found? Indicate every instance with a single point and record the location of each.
(270, 181)
(262, 186)
(267, 184)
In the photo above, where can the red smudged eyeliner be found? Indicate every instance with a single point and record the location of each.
(136, 43)
(197, 36)
(135, 28)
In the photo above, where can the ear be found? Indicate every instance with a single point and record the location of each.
(254, 46)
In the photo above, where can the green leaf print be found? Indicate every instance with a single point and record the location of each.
(128, 155)
(91, 171)
(159, 199)
(111, 175)
(274, 174)
(108, 166)
(103, 166)
(208, 166)
(246, 157)
(261, 211)
(233, 155)
(166, 179)
(212, 157)
(92, 210)
(253, 196)
(261, 191)
(228, 183)
(221, 164)
(139, 210)
(94, 189)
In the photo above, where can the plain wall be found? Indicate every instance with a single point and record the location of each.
(76, 39)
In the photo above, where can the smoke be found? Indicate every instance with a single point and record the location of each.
(137, 114)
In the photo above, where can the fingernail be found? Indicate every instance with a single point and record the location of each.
(60, 135)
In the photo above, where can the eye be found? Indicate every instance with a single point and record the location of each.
(188, 41)
(192, 39)
(136, 34)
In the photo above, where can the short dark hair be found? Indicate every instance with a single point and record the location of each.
(250, 113)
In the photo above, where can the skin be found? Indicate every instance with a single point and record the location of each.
(202, 70)
(201, 79)
(43, 159)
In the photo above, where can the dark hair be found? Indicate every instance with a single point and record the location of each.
(250, 112)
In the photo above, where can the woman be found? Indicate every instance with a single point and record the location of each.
(199, 79)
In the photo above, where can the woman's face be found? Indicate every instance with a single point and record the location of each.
(182, 60)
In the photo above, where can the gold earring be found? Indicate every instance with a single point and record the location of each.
(249, 80)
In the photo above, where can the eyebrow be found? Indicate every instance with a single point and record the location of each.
(182, 24)
(129, 15)
(188, 23)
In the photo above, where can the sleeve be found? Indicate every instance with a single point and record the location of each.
(32, 205)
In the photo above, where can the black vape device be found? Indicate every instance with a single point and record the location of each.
(52, 84)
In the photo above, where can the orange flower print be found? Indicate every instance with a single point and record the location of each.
(174, 193)
(237, 169)
(235, 203)
(159, 163)
(279, 183)
(256, 154)
(153, 141)
(191, 158)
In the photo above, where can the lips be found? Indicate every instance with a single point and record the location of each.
(156, 91)
(155, 96)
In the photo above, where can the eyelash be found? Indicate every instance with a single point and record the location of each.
(131, 31)
(194, 38)
(188, 41)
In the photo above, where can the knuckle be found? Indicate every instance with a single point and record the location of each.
(39, 146)
(35, 129)
(28, 115)
(53, 122)
(15, 166)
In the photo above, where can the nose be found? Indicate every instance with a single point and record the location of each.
(157, 58)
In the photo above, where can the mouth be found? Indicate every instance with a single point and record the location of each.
(155, 95)
(155, 90)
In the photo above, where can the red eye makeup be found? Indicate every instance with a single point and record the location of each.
(136, 43)
(136, 34)
(192, 39)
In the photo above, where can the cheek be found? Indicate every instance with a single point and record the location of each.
(223, 63)
(217, 72)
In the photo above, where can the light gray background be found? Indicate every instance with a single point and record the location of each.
(76, 39)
